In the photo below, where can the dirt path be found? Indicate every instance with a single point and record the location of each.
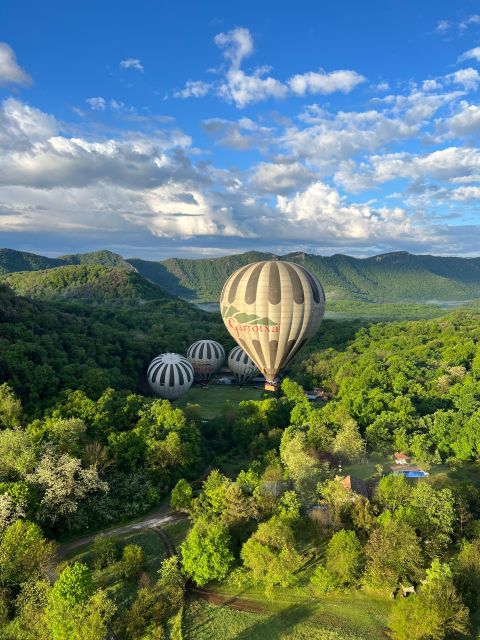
(159, 518)
(239, 604)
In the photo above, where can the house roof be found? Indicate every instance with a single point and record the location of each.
(401, 456)
(354, 484)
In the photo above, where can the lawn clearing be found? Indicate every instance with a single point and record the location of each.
(212, 399)
(346, 617)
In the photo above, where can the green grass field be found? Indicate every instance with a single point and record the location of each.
(213, 399)
(354, 616)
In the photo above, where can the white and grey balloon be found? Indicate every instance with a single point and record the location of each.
(170, 375)
(242, 366)
(206, 358)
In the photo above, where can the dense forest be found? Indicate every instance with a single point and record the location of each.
(281, 497)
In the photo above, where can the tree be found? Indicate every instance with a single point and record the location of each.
(64, 482)
(17, 454)
(133, 559)
(392, 492)
(206, 553)
(105, 550)
(181, 496)
(75, 609)
(271, 556)
(30, 621)
(434, 613)
(24, 553)
(393, 552)
(323, 581)
(348, 443)
(432, 513)
(211, 501)
(467, 571)
(303, 469)
(10, 408)
(343, 557)
(238, 507)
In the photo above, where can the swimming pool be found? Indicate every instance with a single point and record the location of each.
(413, 474)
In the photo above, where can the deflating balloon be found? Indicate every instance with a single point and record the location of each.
(170, 375)
(272, 309)
(241, 365)
(207, 357)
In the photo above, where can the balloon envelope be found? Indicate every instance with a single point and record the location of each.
(241, 365)
(206, 357)
(272, 309)
(170, 375)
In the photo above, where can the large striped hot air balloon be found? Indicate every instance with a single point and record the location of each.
(272, 309)
(206, 357)
(241, 365)
(170, 375)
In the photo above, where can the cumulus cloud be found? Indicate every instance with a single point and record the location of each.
(320, 209)
(237, 45)
(325, 83)
(193, 89)
(471, 54)
(242, 88)
(131, 63)
(463, 124)
(446, 164)
(10, 71)
(282, 176)
(97, 103)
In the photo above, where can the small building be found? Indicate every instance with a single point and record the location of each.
(401, 458)
(357, 486)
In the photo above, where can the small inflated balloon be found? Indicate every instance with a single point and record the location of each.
(170, 375)
(241, 365)
(206, 357)
(272, 309)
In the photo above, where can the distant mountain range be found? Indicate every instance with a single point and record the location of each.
(391, 277)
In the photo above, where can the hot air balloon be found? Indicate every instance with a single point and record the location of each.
(272, 309)
(206, 357)
(170, 375)
(241, 365)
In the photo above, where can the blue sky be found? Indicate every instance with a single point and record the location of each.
(159, 128)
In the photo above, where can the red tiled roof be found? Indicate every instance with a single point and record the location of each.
(401, 456)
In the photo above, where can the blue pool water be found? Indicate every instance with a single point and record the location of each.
(414, 474)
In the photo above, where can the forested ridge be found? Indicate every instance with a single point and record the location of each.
(391, 277)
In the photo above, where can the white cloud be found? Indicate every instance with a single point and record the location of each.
(193, 89)
(280, 177)
(469, 78)
(431, 85)
(242, 88)
(237, 45)
(321, 211)
(443, 26)
(10, 70)
(446, 164)
(471, 54)
(131, 63)
(97, 103)
(325, 83)
(465, 123)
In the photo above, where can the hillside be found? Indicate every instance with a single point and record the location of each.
(391, 277)
(12, 261)
(49, 346)
(84, 281)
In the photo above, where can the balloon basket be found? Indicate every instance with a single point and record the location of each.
(271, 386)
